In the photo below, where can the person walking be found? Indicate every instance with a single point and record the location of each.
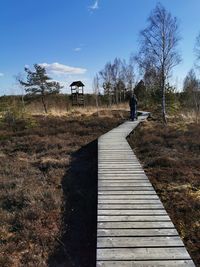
(133, 107)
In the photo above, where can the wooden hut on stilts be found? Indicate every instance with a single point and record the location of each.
(77, 93)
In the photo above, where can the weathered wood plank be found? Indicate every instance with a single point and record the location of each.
(128, 201)
(136, 232)
(131, 175)
(127, 197)
(120, 171)
(128, 206)
(127, 192)
(158, 263)
(126, 188)
(120, 177)
(135, 225)
(165, 253)
(134, 242)
(128, 168)
(124, 184)
(132, 212)
(131, 218)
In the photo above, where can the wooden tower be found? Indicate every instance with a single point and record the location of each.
(77, 92)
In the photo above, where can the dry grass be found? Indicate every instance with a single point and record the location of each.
(171, 158)
(36, 205)
(78, 111)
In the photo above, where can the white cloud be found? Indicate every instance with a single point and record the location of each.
(1, 74)
(95, 5)
(60, 69)
(77, 49)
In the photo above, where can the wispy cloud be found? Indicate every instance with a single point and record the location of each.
(77, 49)
(95, 6)
(1, 74)
(60, 69)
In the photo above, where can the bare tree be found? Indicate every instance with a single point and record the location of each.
(96, 91)
(115, 72)
(159, 42)
(197, 51)
(117, 77)
(106, 76)
(129, 75)
(192, 89)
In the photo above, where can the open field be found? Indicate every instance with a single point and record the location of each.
(171, 158)
(48, 172)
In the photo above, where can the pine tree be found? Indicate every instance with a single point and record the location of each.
(38, 83)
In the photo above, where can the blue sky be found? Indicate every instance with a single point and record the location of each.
(75, 38)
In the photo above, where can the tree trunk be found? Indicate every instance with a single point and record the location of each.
(164, 106)
(44, 105)
(163, 96)
(97, 104)
(23, 103)
(116, 95)
(110, 97)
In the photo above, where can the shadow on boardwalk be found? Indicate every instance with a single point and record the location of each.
(77, 247)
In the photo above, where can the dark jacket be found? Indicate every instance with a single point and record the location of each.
(133, 102)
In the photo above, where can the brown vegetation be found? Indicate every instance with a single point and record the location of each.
(171, 159)
(48, 189)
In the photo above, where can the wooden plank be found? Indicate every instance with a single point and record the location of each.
(120, 177)
(107, 162)
(158, 263)
(123, 174)
(136, 232)
(165, 253)
(122, 181)
(132, 163)
(127, 197)
(120, 164)
(140, 242)
(117, 165)
(128, 201)
(127, 192)
(131, 218)
(121, 167)
(136, 225)
(106, 181)
(126, 188)
(132, 212)
(118, 184)
(120, 171)
(128, 206)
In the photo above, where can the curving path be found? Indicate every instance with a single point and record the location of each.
(133, 228)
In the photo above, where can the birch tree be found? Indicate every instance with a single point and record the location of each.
(192, 89)
(96, 92)
(158, 45)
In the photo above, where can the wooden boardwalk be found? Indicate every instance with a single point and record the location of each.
(133, 228)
